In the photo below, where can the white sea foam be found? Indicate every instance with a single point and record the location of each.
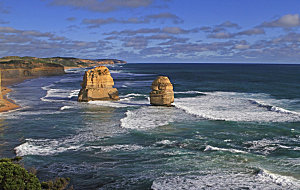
(280, 180)
(66, 107)
(263, 180)
(42, 147)
(125, 147)
(267, 146)
(149, 117)
(114, 104)
(58, 95)
(74, 93)
(231, 106)
(165, 142)
(189, 92)
(74, 70)
(212, 148)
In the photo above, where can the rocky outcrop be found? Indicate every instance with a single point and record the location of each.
(98, 85)
(162, 92)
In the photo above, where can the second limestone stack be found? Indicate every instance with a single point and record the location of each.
(162, 92)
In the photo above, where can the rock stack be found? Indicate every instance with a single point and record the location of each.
(162, 92)
(98, 85)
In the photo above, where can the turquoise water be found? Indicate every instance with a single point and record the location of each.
(232, 126)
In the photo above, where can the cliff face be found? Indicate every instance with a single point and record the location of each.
(64, 61)
(162, 92)
(97, 85)
(18, 70)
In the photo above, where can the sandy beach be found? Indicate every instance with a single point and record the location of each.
(6, 103)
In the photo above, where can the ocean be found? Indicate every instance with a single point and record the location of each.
(233, 126)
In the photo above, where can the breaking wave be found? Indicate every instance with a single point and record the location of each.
(231, 106)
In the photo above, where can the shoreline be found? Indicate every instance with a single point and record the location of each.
(7, 104)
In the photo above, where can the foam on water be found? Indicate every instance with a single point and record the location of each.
(232, 106)
(263, 180)
(74, 70)
(126, 147)
(43, 147)
(149, 117)
(66, 107)
(58, 95)
(212, 148)
(114, 104)
(266, 146)
(74, 93)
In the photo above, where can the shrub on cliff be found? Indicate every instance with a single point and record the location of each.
(13, 176)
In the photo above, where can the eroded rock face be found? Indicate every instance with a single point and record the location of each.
(162, 92)
(98, 85)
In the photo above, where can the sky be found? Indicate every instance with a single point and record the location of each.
(153, 31)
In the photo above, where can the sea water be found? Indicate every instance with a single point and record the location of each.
(232, 126)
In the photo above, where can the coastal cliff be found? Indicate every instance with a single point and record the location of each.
(64, 61)
(18, 70)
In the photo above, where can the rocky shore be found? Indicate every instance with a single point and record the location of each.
(15, 69)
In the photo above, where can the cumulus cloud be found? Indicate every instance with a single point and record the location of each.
(102, 5)
(35, 43)
(221, 35)
(165, 16)
(286, 21)
(71, 18)
(166, 30)
(225, 35)
(228, 24)
(93, 23)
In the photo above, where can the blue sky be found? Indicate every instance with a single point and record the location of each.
(237, 31)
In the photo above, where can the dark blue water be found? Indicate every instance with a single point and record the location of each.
(232, 126)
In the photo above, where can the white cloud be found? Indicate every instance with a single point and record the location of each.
(286, 21)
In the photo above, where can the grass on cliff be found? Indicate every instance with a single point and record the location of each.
(14, 176)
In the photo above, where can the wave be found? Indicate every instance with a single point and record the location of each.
(46, 147)
(66, 107)
(42, 147)
(268, 146)
(58, 95)
(126, 147)
(231, 106)
(273, 108)
(148, 117)
(189, 92)
(227, 180)
(212, 148)
(114, 104)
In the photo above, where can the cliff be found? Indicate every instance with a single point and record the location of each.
(97, 85)
(18, 70)
(64, 61)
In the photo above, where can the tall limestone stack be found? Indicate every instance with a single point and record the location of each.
(98, 85)
(162, 92)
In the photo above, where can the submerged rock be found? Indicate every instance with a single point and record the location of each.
(162, 92)
(98, 85)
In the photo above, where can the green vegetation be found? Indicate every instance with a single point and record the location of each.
(13, 176)
(64, 61)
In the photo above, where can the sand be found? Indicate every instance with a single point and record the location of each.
(7, 104)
